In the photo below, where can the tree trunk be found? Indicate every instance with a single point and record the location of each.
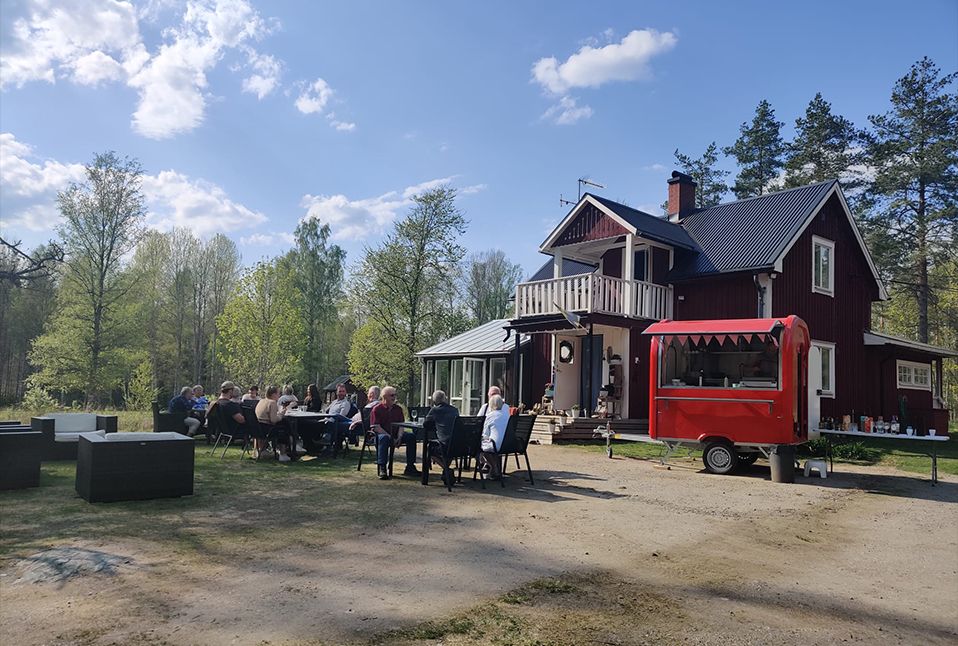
(922, 266)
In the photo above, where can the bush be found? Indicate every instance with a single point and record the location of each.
(37, 399)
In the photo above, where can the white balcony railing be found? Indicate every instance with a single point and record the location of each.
(596, 294)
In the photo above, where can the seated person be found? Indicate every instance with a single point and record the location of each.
(268, 412)
(200, 401)
(493, 390)
(252, 394)
(444, 415)
(288, 398)
(383, 419)
(230, 410)
(346, 408)
(372, 398)
(237, 395)
(313, 401)
(493, 432)
(184, 404)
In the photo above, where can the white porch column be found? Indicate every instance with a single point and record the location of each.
(557, 264)
(628, 272)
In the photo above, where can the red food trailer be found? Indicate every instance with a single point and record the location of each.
(736, 387)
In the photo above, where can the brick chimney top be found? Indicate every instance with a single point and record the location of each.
(681, 196)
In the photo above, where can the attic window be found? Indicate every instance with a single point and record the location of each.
(823, 266)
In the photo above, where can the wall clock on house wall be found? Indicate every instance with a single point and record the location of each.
(566, 352)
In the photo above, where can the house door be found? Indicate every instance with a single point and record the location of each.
(455, 383)
(814, 386)
(474, 381)
(591, 372)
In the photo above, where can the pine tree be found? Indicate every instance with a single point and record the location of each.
(914, 151)
(710, 179)
(759, 151)
(826, 146)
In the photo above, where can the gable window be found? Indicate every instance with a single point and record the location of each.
(913, 375)
(823, 266)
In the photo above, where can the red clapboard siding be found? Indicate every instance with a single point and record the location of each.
(590, 224)
(841, 318)
(729, 296)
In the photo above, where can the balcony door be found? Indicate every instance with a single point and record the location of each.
(467, 380)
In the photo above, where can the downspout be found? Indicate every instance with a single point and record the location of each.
(761, 296)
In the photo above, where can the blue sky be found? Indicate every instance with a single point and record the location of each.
(250, 116)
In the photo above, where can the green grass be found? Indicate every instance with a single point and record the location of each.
(902, 454)
(237, 505)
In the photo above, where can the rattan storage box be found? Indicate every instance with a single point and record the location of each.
(134, 466)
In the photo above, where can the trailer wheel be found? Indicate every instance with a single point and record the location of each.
(720, 457)
(747, 459)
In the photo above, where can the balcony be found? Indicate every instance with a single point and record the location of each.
(594, 294)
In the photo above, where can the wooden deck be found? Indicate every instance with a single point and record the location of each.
(551, 429)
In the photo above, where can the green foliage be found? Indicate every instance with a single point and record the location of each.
(260, 328)
(139, 391)
(405, 283)
(376, 358)
(317, 270)
(760, 152)
(826, 146)
(38, 399)
(710, 179)
(914, 150)
(84, 345)
(488, 284)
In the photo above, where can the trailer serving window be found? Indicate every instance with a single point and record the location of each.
(721, 361)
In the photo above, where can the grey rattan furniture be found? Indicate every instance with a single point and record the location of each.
(134, 466)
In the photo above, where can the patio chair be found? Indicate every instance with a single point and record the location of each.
(166, 422)
(462, 447)
(515, 443)
(495, 454)
(256, 429)
(369, 440)
(221, 429)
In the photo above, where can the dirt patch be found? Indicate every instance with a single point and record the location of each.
(597, 552)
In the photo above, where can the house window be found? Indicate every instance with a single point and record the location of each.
(826, 352)
(913, 375)
(823, 266)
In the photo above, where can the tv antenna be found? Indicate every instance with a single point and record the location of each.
(587, 182)
(583, 181)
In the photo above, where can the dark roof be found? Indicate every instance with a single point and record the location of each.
(748, 234)
(649, 226)
(569, 268)
(336, 383)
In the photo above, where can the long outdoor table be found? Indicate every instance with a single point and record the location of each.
(295, 416)
(933, 439)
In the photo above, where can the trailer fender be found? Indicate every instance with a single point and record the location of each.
(705, 439)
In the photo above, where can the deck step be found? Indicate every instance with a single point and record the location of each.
(581, 428)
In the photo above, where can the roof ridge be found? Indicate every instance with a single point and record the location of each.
(759, 197)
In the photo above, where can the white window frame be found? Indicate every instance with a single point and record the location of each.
(826, 345)
(910, 382)
(830, 245)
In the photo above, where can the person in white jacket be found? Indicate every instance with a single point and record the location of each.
(493, 433)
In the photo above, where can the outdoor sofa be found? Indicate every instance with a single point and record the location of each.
(134, 466)
(20, 452)
(62, 431)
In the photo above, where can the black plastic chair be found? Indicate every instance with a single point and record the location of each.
(462, 447)
(516, 442)
(369, 440)
(220, 429)
(259, 430)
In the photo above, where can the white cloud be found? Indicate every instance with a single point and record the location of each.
(29, 188)
(627, 60)
(268, 239)
(91, 42)
(314, 97)
(342, 126)
(358, 219)
(175, 200)
(656, 167)
(567, 111)
(472, 190)
(20, 176)
(266, 73)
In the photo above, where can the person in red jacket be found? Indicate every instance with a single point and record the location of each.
(383, 419)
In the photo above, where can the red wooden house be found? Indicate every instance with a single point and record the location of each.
(614, 270)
